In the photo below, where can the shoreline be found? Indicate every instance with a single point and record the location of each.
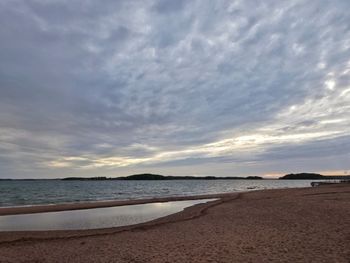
(55, 205)
(191, 212)
(32, 209)
(290, 225)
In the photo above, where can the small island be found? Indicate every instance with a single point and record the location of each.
(312, 176)
(304, 176)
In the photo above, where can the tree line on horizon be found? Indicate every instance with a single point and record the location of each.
(154, 177)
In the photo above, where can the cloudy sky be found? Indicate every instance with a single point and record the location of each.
(228, 88)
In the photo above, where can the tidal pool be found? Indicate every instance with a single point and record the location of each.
(94, 218)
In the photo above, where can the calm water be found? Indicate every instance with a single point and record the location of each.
(19, 193)
(94, 218)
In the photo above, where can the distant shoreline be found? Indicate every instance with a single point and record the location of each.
(157, 177)
(142, 177)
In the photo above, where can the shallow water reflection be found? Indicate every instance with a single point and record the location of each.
(94, 218)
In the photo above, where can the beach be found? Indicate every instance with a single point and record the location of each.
(284, 225)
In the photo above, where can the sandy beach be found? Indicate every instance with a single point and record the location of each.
(287, 225)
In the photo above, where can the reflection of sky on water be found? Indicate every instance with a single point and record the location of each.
(94, 218)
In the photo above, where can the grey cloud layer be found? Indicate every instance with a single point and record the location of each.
(122, 86)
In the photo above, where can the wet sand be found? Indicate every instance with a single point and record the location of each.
(289, 225)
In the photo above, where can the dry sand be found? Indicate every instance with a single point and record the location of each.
(290, 225)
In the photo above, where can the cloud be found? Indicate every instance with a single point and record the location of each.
(172, 86)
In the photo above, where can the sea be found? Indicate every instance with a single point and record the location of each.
(40, 192)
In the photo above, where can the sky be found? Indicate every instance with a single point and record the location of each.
(223, 88)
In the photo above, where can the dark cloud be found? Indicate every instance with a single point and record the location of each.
(87, 87)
